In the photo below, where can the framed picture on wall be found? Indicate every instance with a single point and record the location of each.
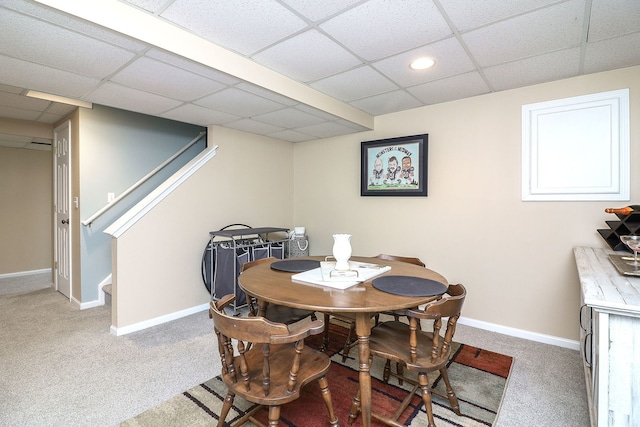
(394, 166)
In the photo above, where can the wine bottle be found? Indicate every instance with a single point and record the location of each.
(623, 211)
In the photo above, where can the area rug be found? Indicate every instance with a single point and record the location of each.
(479, 378)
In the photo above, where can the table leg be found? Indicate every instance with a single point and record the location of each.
(363, 330)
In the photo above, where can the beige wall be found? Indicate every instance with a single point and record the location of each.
(514, 257)
(25, 210)
(249, 181)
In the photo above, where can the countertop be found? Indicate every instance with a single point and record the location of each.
(603, 287)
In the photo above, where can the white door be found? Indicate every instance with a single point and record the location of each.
(62, 204)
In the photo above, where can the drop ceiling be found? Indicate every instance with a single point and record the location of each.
(296, 70)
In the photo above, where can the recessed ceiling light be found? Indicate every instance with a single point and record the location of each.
(422, 63)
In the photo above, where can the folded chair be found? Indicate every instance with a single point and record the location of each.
(273, 312)
(267, 363)
(418, 351)
(350, 318)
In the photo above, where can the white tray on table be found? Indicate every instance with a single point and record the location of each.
(327, 275)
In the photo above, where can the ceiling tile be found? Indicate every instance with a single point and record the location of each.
(379, 28)
(151, 76)
(23, 102)
(44, 79)
(238, 102)
(152, 6)
(355, 84)
(390, 102)
(451, 59)
(289, 118)
(353, 126)
(612, 53)
(613, 18)
(321, 43)
(551, 66)
(50, 118)
(245, 26)
(18, 113)
(10, 89)
(114, 95)
(13, 141)
(186, 64)
(75, 24)
(253, 126)
(291, 136)
(307, 57)
(315, 112)
(60, 109)
(458, 87)
(197, 115)
(466, 14)
(315, 10)
(542, 31)
(326, 130)
(33, 40)
(260, 91)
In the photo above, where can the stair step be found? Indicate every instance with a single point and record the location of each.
(107, 289)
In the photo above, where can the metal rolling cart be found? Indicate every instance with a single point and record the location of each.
(229, 248)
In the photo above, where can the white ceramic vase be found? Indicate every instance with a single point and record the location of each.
(342, 251)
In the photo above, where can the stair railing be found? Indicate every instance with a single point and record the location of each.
(89, 221)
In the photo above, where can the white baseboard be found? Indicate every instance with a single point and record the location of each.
(25, 273)
(158, 320)
(101, 298)
(90, 304)
(519, 333)
(106, 281)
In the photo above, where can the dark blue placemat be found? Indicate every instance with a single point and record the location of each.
(295, 265)
(409, 286)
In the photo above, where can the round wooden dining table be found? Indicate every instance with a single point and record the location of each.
(363, 299)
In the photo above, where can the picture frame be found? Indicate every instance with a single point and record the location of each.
(395, 166)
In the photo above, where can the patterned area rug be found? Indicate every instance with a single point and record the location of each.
(479, 378)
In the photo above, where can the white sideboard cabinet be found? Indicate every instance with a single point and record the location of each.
(610, 339)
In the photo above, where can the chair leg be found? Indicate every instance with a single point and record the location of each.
(274, 415)
(386, 371)
(226, 406)
(347, 345)
(326, 395)
(451, 395)
(325, 333)
(426, 397)
(355, 408)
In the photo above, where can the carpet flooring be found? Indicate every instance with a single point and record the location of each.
(478, 376)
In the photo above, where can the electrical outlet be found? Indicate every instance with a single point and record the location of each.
(111, 197)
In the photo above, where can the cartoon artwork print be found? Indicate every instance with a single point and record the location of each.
(394, 167)
(406, 173)
(377, 174)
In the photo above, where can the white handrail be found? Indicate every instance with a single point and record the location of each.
(88, 221)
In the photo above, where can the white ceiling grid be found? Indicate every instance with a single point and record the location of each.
(355, 51)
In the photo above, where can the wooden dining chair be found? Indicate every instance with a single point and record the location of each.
(271, 364)
(274, 312)
(350, 319)
(418, 351)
